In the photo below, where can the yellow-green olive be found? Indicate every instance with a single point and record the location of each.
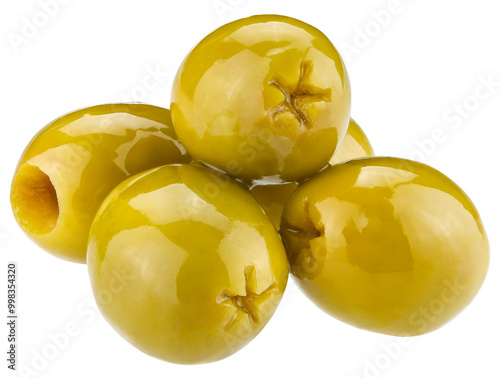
(265, 97)
(272, 198)
(385, 244)
(354, 145)
(70, 166)
(185, 264)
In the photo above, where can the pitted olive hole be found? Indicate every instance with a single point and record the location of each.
(295, 98)
(305, 247)
(308, 230)
(34, 200)
(251, 303)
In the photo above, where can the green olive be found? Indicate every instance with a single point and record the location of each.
(262, 98)
(385, 244)
(185, 264)
(354, 145)
(70, 166)
(272, 198)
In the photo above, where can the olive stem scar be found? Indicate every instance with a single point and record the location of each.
(245, 302)
(301, 92)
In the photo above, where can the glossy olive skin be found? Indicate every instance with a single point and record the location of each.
(354, 145)
(385, 244)
(202, 268)
(258, 95)
(273, 198)
(70, 166)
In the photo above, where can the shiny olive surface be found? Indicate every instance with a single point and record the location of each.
(273, 198)
(385, 244)
(354, 145)
(185, 264)
(265, 97)
(70, 166)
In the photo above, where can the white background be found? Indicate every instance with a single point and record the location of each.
(407, 75)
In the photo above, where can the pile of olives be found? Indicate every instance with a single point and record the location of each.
(198, 214)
